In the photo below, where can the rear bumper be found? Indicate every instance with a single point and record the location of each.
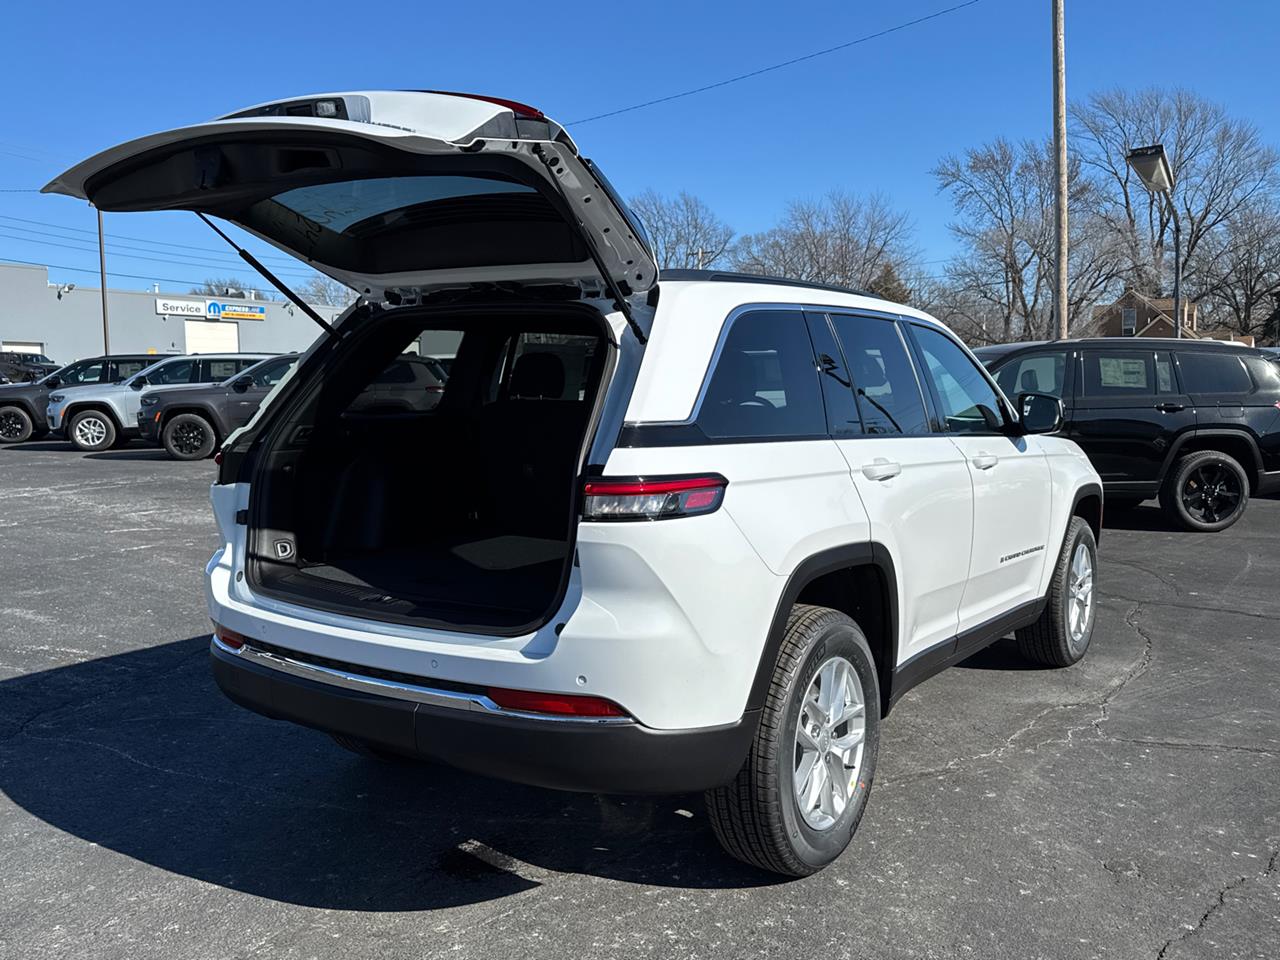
(580, 755)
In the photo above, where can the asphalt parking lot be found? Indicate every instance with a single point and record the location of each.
(1127, 807)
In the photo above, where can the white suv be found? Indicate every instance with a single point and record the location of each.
(658, 534)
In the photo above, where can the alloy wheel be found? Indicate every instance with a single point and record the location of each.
(188, 438)
(829, 740)
(1211, 493)
(11, 425)
(1080, 594)
(91, 431)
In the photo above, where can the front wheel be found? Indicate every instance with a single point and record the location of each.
(92, 430)
(1206, 491)
(189, 436)
(798, 798)
(1062, 634)
(15, 425)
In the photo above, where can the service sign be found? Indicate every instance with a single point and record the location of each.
(179, 308)
(220, 310)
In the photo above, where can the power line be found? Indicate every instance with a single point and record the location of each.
(777, 66)
(111, 273)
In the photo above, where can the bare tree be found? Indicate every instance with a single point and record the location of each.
(683, 230)
(1220, 167)
(1241, 271)
(841, 239)
(231, 287)
(1002, 281)
(326, 290)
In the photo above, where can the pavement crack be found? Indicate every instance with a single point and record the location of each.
(1192, 745)
(1220, 901)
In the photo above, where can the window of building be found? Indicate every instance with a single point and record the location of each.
(884, 379)
(1128, 321)
(765, 383)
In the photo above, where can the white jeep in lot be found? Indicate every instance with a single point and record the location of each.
(660, 533)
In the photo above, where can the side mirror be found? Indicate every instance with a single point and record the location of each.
(241, 384)
(139, 382)
(53, 383)
(1041, 412)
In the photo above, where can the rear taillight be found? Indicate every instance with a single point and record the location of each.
(559, 704)
(657, 498)
(229, 638)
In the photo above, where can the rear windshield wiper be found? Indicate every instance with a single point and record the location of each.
(271, 278)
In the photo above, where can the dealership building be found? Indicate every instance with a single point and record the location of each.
(64, 321)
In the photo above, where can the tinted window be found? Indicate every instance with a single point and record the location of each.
(1117, 374)
(1213, 373)
(88, 372)
(215, 371)
(884, 380)
(548, 366)
(837, 388)
(272, 372)
(968, 401)
(124, 369)
(764, 383)
(1038, 373)
(179, 371)
(1265, 373)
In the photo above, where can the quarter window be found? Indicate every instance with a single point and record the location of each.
(969, 402)
(765, 383)
(884, 380)
(1214, 373)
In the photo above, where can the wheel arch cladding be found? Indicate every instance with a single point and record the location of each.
(1087, 505)
(203, 413)
(95, 406)
(1237, 444)
(857, 579)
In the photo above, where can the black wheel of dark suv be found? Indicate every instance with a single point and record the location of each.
(1206, 491)
(15, 425)
(189, 436)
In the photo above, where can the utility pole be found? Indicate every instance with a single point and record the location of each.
(1060, 168)
(102, 268)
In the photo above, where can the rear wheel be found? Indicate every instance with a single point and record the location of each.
(92, 430)
(15, 425)
(1062, 634)
(1206, 491)
(801, 792)
(189, 436)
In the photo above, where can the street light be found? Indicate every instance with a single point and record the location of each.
(1151, 164)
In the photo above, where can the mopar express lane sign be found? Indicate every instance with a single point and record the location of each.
(222, 310)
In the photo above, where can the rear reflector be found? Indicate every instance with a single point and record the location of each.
(229, 638)
(657, 498)
(559, 704)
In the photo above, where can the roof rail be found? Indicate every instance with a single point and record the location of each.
(725, 276)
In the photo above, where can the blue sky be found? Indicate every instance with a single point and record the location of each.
(873, 117)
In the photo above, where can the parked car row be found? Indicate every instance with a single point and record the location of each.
(1194, 423)
(186, 404)
(19, 367)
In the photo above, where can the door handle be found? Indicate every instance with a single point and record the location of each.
(881, 469)
(1170, 407)
(984, 461)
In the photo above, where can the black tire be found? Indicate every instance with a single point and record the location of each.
(1206, 491)
(757, 816)
(362, 748)
(91, 431)
(16, 425)
(189, 436)
(1050, 640)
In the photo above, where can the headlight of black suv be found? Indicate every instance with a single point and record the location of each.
(150, 401)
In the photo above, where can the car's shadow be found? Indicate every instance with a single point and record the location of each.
(1148, 517)
(135, 453)
(129, 450)
(141, 754)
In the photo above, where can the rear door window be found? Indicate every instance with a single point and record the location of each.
(213, 370)
(1216, 373)
(884, 379)
(1119, 374)
(124, 369)
(1035, 373)
(765, 381)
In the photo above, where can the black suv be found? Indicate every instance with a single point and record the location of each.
(24, 367)
(190, 423)
(22, 405)
(1196, 423)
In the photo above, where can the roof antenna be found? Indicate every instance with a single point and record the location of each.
(271, 278)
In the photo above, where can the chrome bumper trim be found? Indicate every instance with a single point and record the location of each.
(449, 699)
